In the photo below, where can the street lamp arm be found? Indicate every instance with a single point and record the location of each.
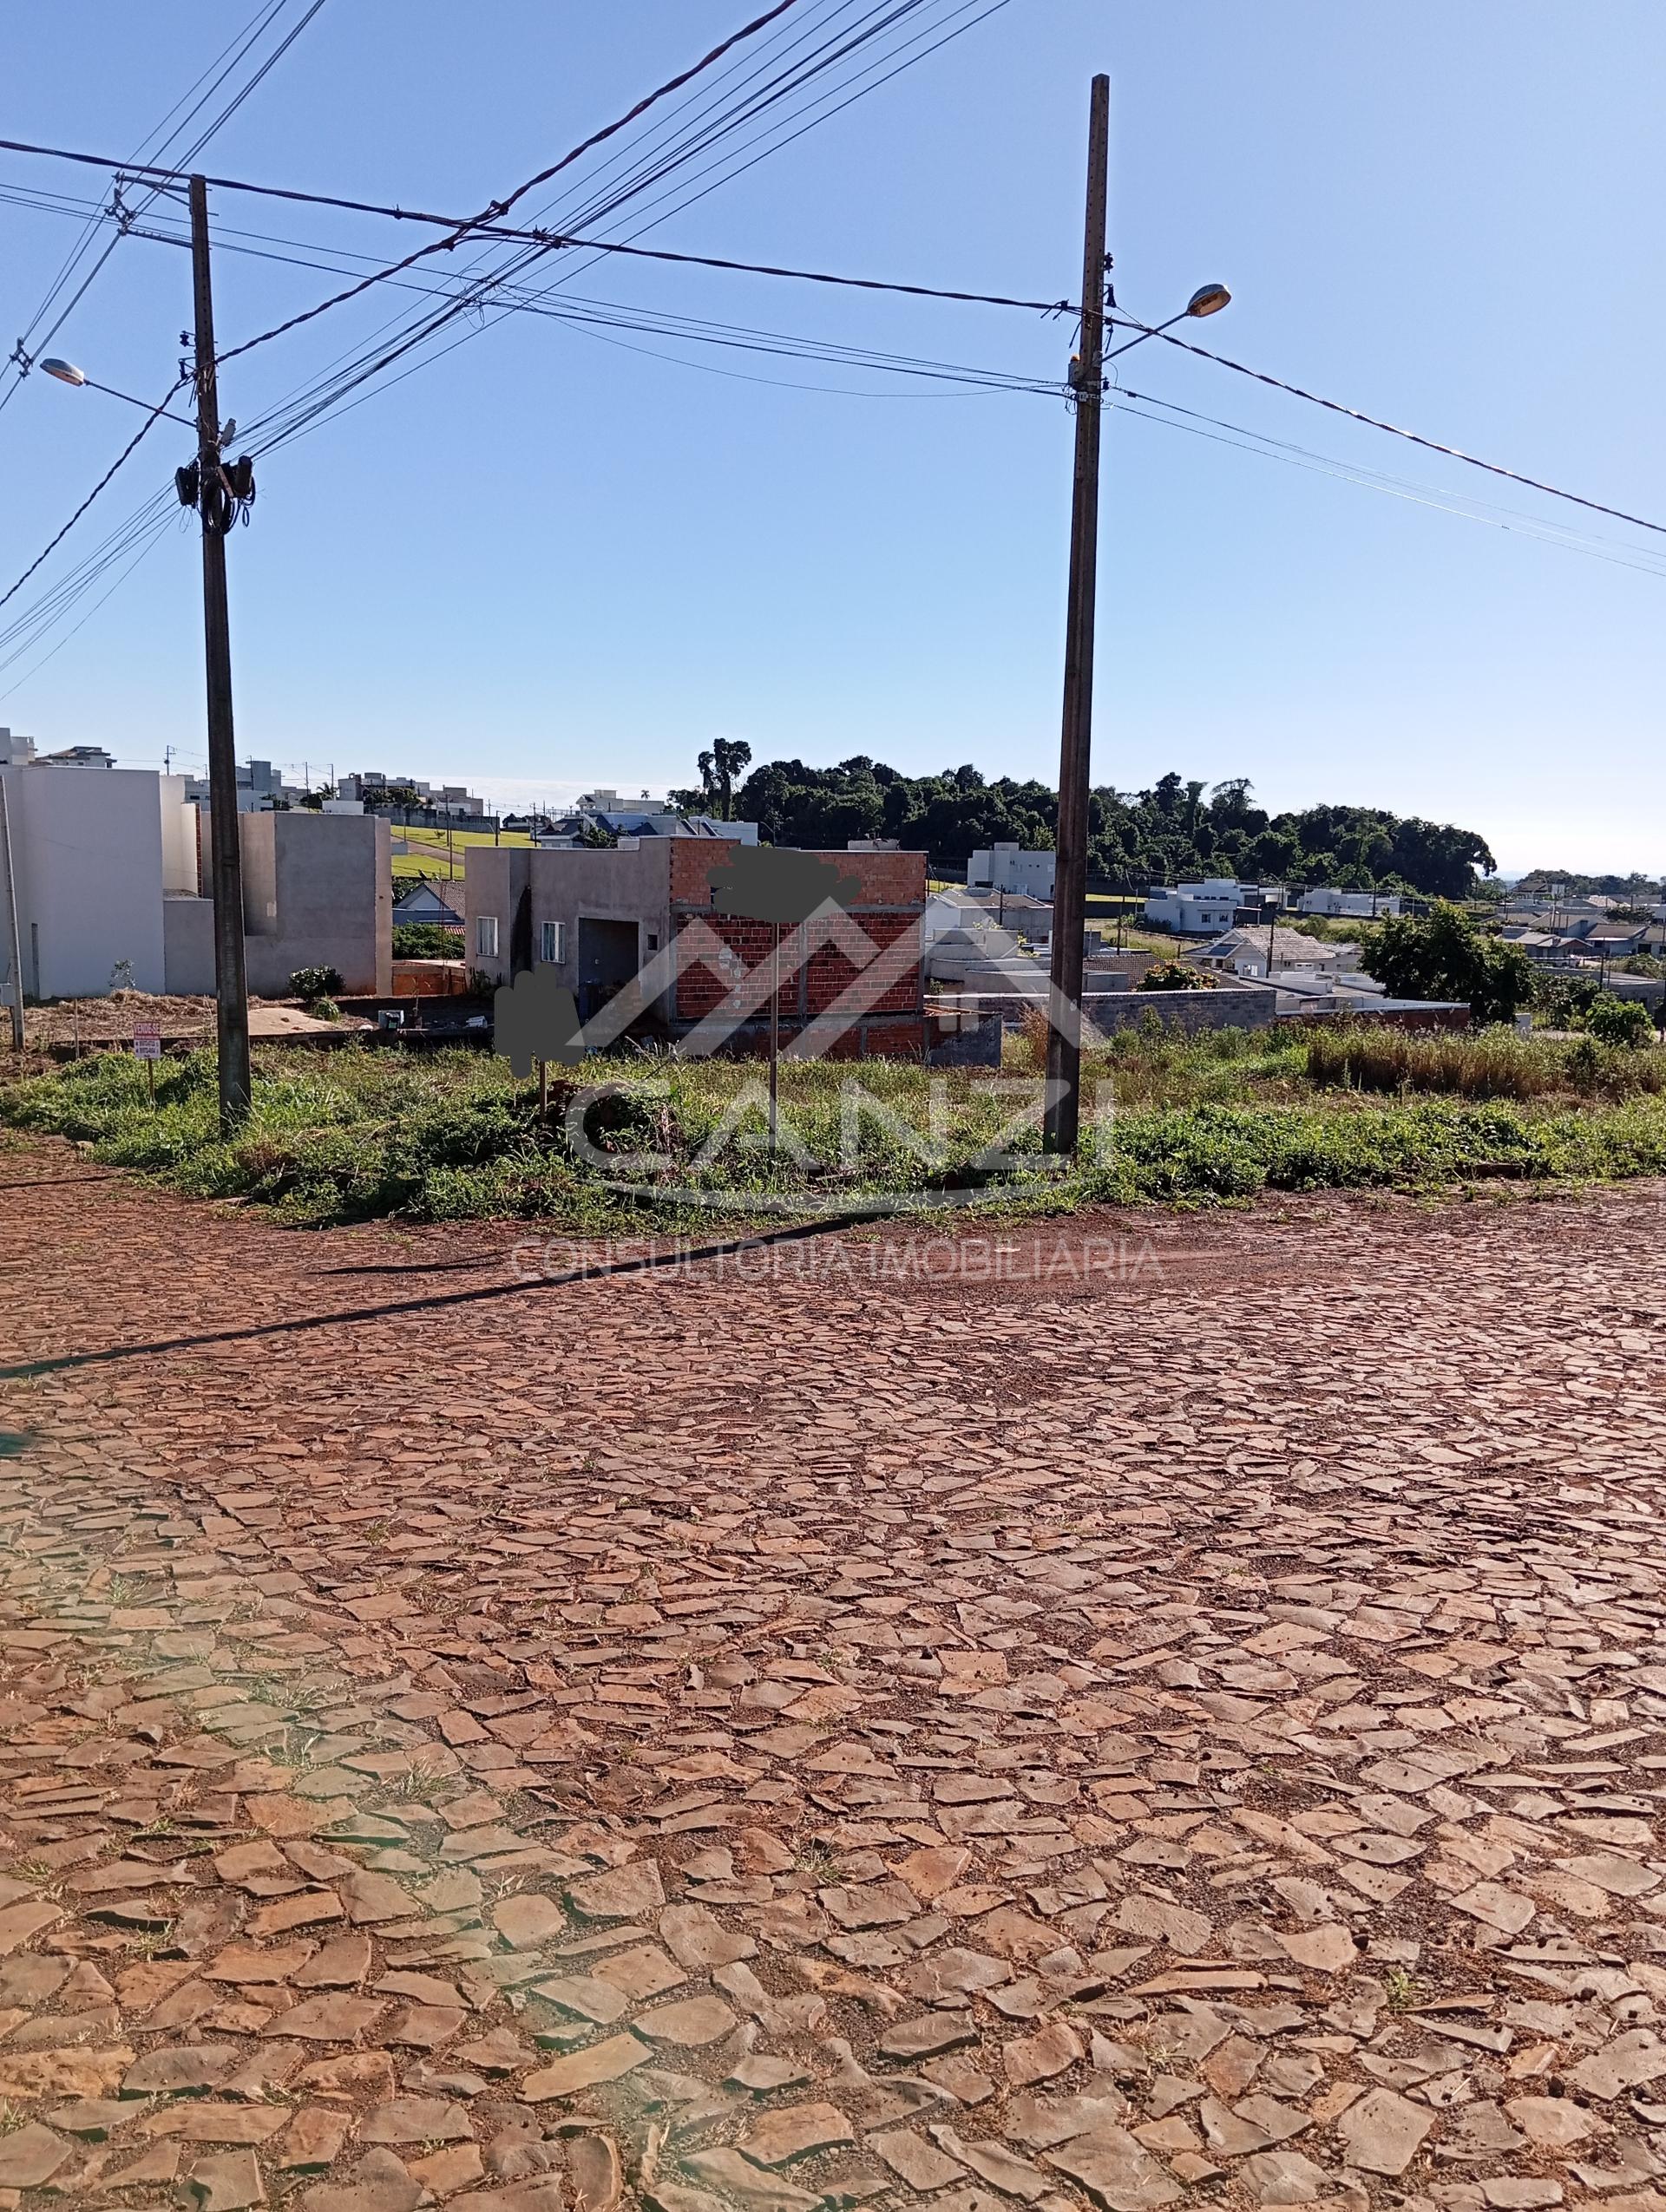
(1146, 330)
(1208, 299)
(167, 412)
(65, 372)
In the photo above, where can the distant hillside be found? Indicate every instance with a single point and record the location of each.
(1177, 828)
(1543, 883)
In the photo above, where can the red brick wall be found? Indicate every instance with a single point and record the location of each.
(888, 880)
(828, 973)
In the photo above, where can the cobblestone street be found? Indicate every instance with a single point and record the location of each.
(1171, 1711)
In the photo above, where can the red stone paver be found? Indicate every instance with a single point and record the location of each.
(1190, 1726)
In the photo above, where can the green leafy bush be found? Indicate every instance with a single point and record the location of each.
(1445, 954)
(1174, 975)
(1560, 1000)
(426, 942)
(309, 984)
(1619, 1021)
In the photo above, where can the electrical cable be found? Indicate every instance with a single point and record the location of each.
(239, 47)
(229, 57)
(485, 226)
(578, 308)
(483, 295)
(499, 207)
(149, 545)
(128, 451)
(1433, 445)
(1250, 441)
(1360, 471)
(55, 603)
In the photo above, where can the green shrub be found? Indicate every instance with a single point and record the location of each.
(1174, 975)
(309, 984)
(1445, 954)
(426, 942)
(1560, 1000)
(1618, 1021)
(1486, 1063)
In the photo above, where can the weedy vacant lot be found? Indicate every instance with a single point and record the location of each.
(366, 1132)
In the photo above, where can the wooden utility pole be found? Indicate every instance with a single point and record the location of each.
(1064, 1110)
(214, 504)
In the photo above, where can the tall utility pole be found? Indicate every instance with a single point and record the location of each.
(1064, 1110)
(230, 980)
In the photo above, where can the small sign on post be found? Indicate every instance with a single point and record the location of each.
(148, 1047)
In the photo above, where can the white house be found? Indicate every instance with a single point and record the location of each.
(956, 911)
(1352, 906)
(1199, 909)
(108, 874)
(1008, 867)
(97, 863)
(1249, 953)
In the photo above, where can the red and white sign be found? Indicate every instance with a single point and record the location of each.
(146, 1041)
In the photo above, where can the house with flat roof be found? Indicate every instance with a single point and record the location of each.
(110, 874)
(1214, 903)
(633, 930)
(1010, 867)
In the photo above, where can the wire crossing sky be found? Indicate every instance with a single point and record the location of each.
(545, 518)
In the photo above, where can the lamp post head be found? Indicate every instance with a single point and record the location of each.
(65, 371)
(1208, 299)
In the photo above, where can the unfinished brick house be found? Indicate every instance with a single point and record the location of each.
(633, 930)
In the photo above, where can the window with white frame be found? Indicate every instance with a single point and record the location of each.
(554, 942)
(486, 937)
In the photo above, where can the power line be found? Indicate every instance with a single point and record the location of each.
(552, 239)
(131, 447)
(324, 399)
(485, 293)
(1244, 440)
(1433, 445)
(323, 396)
(229, 56)
(151, 541)
(499, 207)
(595, 139)
(485, 227)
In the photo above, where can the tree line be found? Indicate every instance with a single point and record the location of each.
(1178, 829)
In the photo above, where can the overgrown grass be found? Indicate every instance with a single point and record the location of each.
(1494, 1063)
(366, 1133)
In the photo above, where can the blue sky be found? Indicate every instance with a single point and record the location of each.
(551, 559)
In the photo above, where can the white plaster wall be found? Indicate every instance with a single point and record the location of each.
(87, 848)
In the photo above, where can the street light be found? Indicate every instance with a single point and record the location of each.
(67, 373)
(1062, 1119)
(1208, 299)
